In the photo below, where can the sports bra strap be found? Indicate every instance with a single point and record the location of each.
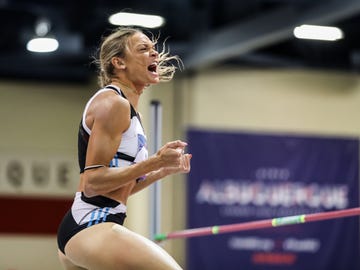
(133, 112)
(124, 156)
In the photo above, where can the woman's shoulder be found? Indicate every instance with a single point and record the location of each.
(113, 103)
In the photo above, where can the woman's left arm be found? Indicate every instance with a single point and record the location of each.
(154, 176)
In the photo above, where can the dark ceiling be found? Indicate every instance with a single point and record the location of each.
(204, 33)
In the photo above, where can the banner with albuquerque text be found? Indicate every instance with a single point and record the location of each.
(240, 177)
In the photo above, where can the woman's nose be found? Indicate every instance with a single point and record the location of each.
(154, 52)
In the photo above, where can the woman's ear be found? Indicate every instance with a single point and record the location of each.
(118, 63)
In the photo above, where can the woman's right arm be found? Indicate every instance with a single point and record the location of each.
(109, 119)
(104, 180)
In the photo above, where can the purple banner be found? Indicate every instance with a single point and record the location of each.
(239, 177)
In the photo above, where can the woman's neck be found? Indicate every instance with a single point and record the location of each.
(128, 88)
(130, 91)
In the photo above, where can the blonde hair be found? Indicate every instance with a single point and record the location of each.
(115, 45)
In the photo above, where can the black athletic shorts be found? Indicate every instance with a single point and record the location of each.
(86, 212)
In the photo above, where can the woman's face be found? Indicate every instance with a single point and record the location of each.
(141, 60)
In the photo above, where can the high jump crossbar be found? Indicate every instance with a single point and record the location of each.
(260, 224)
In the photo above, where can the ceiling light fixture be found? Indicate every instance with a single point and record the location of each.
(125, 18)
(42, 27)
(42, 45)
(317, 32)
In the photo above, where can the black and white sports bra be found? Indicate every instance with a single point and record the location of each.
(133, 146)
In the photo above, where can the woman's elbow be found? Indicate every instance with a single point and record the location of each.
(91, 186)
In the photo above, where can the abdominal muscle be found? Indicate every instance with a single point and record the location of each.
(120, 195)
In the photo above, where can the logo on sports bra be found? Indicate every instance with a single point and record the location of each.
(142, 152)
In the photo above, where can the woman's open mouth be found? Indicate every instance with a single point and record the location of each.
(153, 68)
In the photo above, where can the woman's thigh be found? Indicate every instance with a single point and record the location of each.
(66, 263)
(109, 246)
